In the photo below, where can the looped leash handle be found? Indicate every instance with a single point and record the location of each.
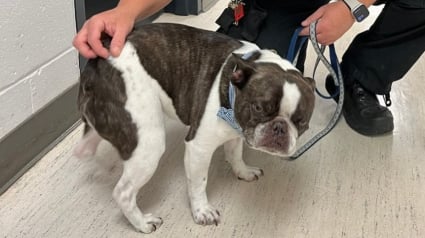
(295, 46)
(333, 68)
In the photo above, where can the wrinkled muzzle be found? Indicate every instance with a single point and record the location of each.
(276, 137)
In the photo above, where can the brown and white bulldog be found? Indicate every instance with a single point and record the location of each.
(185, 73)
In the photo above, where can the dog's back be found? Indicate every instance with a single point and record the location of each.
(184, 60)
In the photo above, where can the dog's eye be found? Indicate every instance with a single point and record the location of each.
(257, 107)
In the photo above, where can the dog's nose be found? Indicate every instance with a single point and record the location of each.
(279, 127)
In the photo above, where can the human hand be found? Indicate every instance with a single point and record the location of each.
(116, 22)
(334, 20)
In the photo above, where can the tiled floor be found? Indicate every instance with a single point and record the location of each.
(347, 185)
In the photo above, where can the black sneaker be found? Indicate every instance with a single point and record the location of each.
(362, 110)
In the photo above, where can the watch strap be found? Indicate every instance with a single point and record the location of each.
(352, 4)
(357, 9)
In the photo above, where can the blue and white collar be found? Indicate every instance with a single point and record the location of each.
(228, 114)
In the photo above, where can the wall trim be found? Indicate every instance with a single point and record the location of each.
(27, 144)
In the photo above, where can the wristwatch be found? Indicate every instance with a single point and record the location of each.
(358, 9)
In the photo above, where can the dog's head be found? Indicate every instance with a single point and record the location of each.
(274, 102)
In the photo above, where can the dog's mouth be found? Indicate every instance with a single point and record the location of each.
(276, 137)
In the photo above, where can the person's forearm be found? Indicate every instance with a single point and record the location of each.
(141, 9)
(367, 3)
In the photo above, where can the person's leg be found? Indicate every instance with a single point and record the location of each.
(385, 52)
(378, 57)
(277, 31)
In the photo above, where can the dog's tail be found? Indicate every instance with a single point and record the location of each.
(106, 40)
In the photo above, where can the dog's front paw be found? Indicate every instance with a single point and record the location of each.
(249, 173)
(149, 224)
(206, 215)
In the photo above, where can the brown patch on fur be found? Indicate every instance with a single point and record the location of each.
(101, 101)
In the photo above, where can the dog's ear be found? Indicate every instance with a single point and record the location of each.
(106, 40)
(242, 70)
(310, 82)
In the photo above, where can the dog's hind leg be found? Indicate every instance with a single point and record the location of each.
(145, 109)
(233, 154)
(137, 172)
(139, 168)
(88, 144)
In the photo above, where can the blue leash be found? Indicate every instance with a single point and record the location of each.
(334, 69)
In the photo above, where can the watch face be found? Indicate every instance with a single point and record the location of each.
(361, 13)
